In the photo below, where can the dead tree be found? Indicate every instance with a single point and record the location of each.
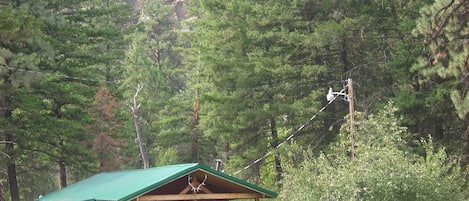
(134, 111)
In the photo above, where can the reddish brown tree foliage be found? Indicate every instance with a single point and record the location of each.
(106, 145)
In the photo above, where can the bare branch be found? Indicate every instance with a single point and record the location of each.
(441, 24)
(138, 89)
(5, 154)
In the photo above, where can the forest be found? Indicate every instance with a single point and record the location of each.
(314, 99)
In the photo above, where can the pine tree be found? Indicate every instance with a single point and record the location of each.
(106, 144)
(17, 57)
(49, 61)
(443, 26)
(259, 74)
(152, 61)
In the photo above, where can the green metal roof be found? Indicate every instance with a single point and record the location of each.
(128, 184)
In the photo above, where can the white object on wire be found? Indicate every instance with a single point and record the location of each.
(331, 95)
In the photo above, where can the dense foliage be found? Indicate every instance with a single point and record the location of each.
(382, 169)
(95, 85)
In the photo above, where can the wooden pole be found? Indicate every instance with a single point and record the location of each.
(350, 105)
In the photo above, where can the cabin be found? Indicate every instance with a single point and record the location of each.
(192, 181)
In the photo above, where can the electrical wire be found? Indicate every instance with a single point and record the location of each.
(291, 135)
(237, 172)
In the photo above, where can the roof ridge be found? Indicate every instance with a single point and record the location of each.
(150, 168)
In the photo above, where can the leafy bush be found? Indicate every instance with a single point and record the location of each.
(381, 169)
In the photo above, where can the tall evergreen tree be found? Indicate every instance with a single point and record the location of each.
(152, 61)
(439, 76)
(81, 33)
(49, 85)
(17, 57)
(255, 57)
(106, 122)
(443, 25)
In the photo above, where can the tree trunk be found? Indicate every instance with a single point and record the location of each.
(141, 145)
(6, 103)
(226, 150)
(274, 144)
(256, 173)
(62, 174)
(134, 110)
(195, 122)
(1, 191)
(14, 191)
(344, 55)
(11, 171)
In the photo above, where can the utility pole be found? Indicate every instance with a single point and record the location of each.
(350, 106)
(348, 96)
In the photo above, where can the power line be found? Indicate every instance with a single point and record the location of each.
(291, 135)
(237, 172)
